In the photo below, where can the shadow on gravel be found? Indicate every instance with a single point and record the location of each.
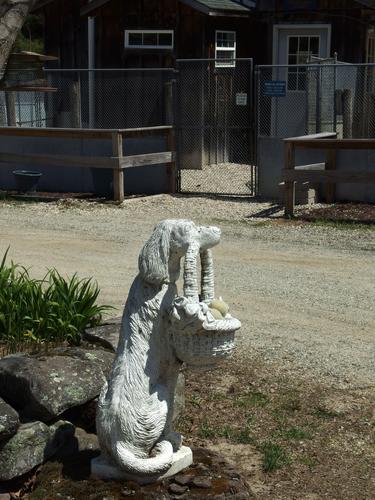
(274, 210)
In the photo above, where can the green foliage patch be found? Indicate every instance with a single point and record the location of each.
(52, 309)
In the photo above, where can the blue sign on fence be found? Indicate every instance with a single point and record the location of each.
(274, 88)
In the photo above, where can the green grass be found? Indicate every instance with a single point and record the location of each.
(245, 436)
(295, 433)
(228, 433)
(235, 435)
(238, 436)
(251, 399)
(324, 413)
(291, 405)
(310, 462)
(195, 400)
(274, 456)
(206, 431)
(51, 309)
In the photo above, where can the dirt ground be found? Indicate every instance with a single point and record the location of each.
(301, 385)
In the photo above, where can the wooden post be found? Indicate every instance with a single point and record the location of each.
(289, 192)
(118, 173)
(10, 99)
(330, 187)
(347, 113)
(169, 109)
(171, 169)
(371, 117)
(75, 98)
(3, 113)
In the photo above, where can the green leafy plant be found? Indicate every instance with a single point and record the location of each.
(51, 309)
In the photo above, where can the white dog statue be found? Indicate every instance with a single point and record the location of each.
(134, 415)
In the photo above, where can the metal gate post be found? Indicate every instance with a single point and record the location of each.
(175, 124)
(256, 97)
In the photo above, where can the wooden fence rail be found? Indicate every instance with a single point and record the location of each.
(324, 173)
(117, 162)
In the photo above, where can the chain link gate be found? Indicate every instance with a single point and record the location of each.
(331, 97)
(214, 126)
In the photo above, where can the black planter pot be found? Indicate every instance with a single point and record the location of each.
(26, 180)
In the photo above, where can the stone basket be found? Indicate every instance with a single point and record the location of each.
(207, 347)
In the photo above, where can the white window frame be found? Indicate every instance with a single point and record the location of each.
(142, 46)
(230, 63)
(297, 72)
(280, 27)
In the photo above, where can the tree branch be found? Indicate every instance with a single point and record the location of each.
(13, 14)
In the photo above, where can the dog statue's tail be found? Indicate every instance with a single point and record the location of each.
(152, 466)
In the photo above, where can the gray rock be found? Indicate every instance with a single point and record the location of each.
(243, 495)
(106, 335)
(201, 482)
(183, 479)
(9, 420)
(33, 444)
(177, 489)
(43, 386)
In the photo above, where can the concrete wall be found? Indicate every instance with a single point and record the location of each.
(271, 162)
(140, 180)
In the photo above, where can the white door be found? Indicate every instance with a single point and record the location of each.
(295, 45)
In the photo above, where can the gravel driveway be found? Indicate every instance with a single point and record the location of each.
(305, 293)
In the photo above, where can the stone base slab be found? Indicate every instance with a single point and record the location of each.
(102, 469)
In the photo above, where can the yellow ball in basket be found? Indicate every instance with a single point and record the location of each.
(220, 306)
(215, 313)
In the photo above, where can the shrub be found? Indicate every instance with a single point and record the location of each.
(51, 309)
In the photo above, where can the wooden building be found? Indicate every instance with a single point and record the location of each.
(144, 33)
(153, 33)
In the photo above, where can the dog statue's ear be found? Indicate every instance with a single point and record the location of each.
(154, 257)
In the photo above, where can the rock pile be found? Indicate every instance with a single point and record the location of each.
(35, 391)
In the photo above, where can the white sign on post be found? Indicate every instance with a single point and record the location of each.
(241, 99)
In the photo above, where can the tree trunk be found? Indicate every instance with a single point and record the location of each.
(13, 14)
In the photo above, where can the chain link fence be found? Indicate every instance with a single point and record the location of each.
(214, 124)
(123, 98)
(308, 99)
(210, 102)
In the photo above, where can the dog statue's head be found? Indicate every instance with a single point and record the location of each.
(159, 260)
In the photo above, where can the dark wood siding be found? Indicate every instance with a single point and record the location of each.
(187, 24)
(66, 32)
